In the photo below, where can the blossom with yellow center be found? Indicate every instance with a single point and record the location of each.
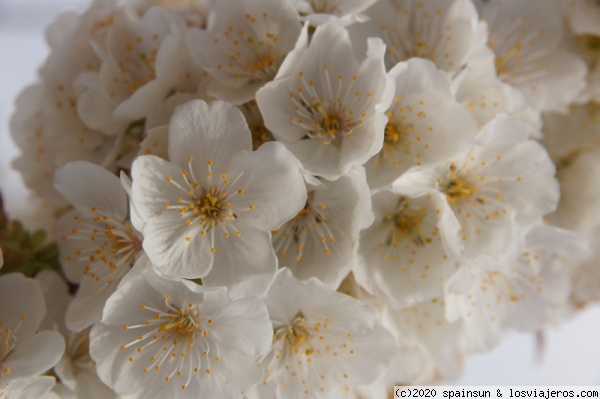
(492, 188)
(320, 338)
(321, 240)
(208, 212)
(173, 338)
(527, 41)
(410, 249)
(443, 32)
(329, 112)
(98, 244)
(244, 45)
(143, 56)
(425, 123)
(523, 295)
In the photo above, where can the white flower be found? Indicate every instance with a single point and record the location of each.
(443, 32)
(208, 213)
(24, 352)
(410, 249)
(325, 106)
(526, 38)
(517, 297)
(97, 242)
(31, 132)
(176, 339)
(46, 125)
(244, 45)
(425, 123)
(321, 339)
(321, 240)
(502, 180)
(142, 63)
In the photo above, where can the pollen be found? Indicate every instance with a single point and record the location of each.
(457, 188)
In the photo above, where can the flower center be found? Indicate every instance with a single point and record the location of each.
(296, 335)
(137, 67)
(393, 136)
(322, 6)
(309, 221)
(329, 125)
(183, 323)
(406, 224)
(112, 250)
(402, 46)
(505, 62)
(249, 55)
(174, 335)
(457, 188)
(208, 206)
(203, 207)
(264, 66)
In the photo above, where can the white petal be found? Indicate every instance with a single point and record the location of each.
(156, 142)
(426, 124)
(272, 183)
(37, 387)
(34, 356)
(86, 308)
(88, 186)
(245, 264)
(56, 295)
(134, 214)
(15, 307)
(143, 101)
(151, 190)
(168, 247)
(247, 314)
(207, 132)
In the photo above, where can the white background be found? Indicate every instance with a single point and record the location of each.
(571, 354)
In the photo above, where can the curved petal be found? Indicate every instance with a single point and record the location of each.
(245, 264)
(272, 184)
(208, 132)
(174, 249)
(35, 356)
(28, 310)
(88, 187)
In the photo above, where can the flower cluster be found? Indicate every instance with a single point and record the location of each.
(301, 198)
